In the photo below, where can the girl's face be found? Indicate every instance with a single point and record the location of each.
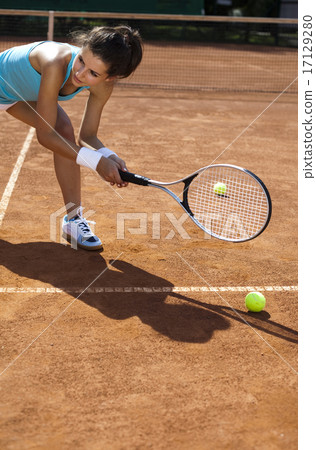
(88, 69)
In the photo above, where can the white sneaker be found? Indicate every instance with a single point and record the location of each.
(77, 231)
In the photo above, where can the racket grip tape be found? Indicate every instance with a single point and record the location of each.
(133, 178)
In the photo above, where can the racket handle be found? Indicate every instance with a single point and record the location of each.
(133, 178)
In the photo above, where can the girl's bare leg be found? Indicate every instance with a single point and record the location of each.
(67, 171)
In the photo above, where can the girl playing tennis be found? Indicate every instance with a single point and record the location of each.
(35, 77)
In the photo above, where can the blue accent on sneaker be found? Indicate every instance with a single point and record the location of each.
(77, 231)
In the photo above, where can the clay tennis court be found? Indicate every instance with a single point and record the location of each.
(148, 344)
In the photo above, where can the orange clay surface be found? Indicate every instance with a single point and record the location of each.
(145, 358)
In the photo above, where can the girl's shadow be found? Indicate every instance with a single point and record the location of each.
(180, 318)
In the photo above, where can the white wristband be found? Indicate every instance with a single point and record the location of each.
(88, 158)
(106, 152)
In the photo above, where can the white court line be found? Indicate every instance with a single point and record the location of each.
(14, 175)
(150, 290)
(57, 317)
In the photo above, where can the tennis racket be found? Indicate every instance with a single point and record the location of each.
(240, 213)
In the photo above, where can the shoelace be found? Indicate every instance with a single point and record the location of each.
(83, 225)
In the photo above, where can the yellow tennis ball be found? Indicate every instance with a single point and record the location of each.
(220, 188)
(255, 301)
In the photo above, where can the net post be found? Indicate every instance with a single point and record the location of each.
(50, 32)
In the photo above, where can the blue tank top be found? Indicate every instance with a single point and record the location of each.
(19, 81)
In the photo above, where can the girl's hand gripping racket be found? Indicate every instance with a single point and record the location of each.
(227, 202)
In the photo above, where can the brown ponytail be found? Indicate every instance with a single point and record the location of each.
(119, 47)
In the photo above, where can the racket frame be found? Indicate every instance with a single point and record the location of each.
(143, 181)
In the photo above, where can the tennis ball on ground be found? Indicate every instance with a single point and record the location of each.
(220, 188)
(255, 301)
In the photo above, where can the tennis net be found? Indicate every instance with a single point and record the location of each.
(182, 52)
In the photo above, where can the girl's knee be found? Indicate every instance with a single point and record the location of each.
(64, 128)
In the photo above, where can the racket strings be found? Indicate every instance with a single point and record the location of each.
(239, 213)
